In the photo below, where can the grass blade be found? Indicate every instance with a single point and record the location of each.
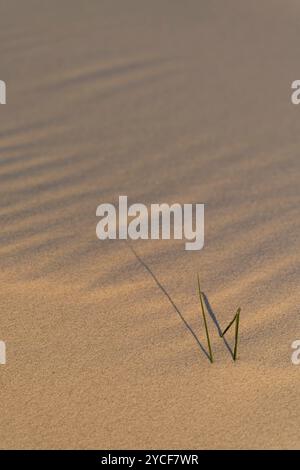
(227, 328)
(205, 322)
(236, 319)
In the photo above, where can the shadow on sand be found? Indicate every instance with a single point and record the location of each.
(189, 328)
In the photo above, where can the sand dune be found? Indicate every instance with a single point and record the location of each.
(164, 101)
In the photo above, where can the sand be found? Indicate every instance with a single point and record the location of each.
(163, 101)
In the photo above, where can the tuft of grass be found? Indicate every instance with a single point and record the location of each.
(205, 322)
(236, 319)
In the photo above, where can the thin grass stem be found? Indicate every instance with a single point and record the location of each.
(236, 334)
(205, 322)
(227, 328)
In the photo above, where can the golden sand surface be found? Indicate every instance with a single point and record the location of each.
(163, 101)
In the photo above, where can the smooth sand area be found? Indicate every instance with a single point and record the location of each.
(163, 101)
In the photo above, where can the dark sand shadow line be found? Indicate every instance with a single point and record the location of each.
(103, 73)
(170, 300)
(214, 319)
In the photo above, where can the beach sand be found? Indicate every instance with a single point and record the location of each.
(163, 101)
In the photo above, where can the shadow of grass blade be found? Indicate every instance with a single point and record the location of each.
(205, 322)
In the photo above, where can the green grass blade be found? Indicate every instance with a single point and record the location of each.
(236, 333)
(205, 322)
(227, 328)
(236, 319)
